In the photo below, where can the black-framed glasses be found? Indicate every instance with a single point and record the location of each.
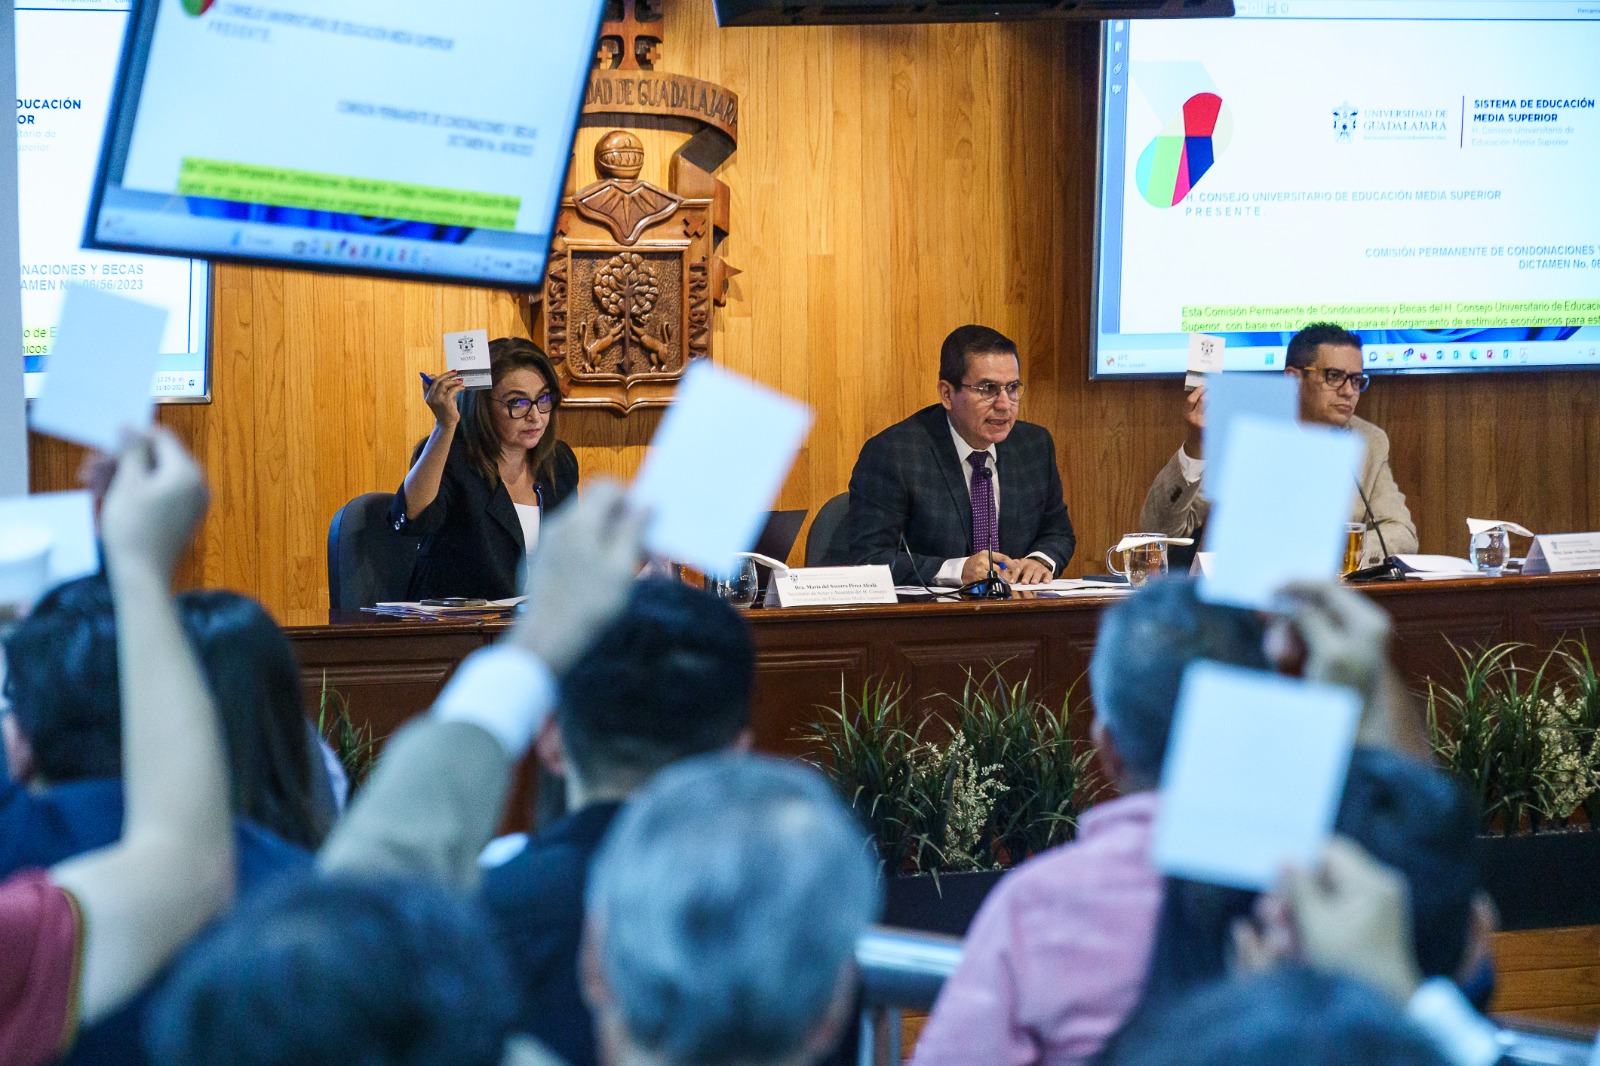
(990, 391)
(1335, 378)
(519, 406)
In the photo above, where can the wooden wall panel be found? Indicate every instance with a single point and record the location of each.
(891, 183)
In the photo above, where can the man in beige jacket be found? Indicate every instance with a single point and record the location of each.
(1327, 360)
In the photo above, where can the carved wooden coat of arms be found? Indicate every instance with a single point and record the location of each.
(634, 273)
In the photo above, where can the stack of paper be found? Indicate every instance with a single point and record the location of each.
(433, 612)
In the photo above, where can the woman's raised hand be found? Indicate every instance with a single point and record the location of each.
(441, 398)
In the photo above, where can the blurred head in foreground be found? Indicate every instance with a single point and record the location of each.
(1145, 644)
(668, 679)
(336, 971)
(722, 917)
(65, 720)
(1289, 1017)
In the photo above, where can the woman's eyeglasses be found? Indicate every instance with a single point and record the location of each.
(519, 406)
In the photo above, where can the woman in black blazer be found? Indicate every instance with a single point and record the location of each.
(480, 485)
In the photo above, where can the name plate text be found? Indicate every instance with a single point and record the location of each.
(1563, 553)
(833, 586)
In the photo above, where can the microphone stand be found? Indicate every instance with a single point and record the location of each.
(972, 590)
(1389, 569)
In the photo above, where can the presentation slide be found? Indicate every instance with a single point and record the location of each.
(1427, 182)
(395, 136)
(67, 56)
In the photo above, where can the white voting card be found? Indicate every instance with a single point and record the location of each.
(467, 353)
(99, 374)
(1279, 511)
(1254, 771)
(716, 465)
(1230, 396)
(1205, 357)
(66, 520)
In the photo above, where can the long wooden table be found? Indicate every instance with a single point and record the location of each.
(390, 670)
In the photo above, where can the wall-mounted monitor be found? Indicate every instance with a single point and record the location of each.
(1420, 171)
(67, 52)
(408, 138)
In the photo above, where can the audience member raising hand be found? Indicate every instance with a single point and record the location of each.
(120, 912)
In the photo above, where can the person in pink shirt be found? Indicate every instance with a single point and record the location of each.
(1055, 960)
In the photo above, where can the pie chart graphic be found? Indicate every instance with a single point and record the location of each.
(1173, 163)
(196, 8)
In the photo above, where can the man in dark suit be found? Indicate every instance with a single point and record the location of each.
(669, 679)
(963, 481)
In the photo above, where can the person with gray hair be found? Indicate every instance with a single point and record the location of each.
(1056, 957)
(722, 915)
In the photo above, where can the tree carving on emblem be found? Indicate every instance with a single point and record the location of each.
(625, 336)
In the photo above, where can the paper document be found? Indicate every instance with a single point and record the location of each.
(1075, 585)
(433, 611)
(99, 375)
(1230, 396)
(467, 353)
(1205, 357)
(1254, 771)
(1483, 525)
(63, 520)
(1435, 566)
(1134, 540)
(716, 465)
(1280, 509)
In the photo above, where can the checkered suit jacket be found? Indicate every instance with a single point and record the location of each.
(908, 480)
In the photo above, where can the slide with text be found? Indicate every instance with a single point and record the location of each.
(1430, 183)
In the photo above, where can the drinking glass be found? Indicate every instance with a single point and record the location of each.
(1144, 561)
(1490, 551)
(741, 587)
(1355, 544)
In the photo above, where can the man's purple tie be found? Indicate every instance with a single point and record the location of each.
(985, 528)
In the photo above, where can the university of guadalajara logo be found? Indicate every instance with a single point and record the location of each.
(1344, 122)
(196, 8)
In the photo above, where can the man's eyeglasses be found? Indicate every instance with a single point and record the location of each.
(519, 406)
(990, 391)
(1336, 378)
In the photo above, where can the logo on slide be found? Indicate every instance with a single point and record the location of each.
(1344, 122)
(1180, 155)
(196, 8)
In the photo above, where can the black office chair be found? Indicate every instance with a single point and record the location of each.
(368, 562)
(828, 542)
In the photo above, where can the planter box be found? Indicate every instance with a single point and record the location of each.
(917, 903)
(1538, 880)
(1543, 880)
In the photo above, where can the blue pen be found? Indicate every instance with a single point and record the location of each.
(427, 382)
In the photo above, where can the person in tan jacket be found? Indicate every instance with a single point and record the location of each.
(1327, 361)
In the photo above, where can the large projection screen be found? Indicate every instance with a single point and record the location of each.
(405, 138)
(67, 52)
(1421, 171)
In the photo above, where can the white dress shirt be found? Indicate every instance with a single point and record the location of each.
(1191, 467)
(950, 572)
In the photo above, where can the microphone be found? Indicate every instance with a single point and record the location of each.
(992, 587)
(1389, 569)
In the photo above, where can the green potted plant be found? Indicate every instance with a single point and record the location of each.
(355, 745)
(957, 789)
(1523, 731)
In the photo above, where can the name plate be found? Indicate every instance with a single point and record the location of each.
(1563, 553)
(833, 586)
